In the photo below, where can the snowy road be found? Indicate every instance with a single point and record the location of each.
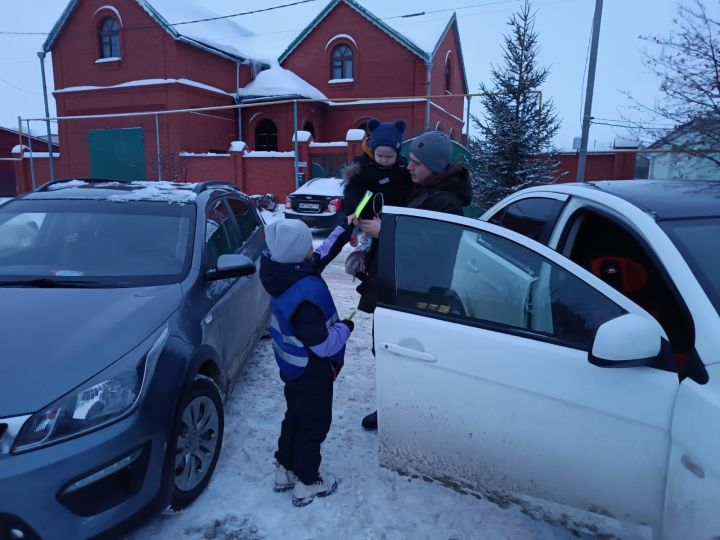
(370, 502)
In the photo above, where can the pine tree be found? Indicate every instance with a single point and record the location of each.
(514, 148)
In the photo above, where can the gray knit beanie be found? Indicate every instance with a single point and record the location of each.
(289, 240)
(434, 149)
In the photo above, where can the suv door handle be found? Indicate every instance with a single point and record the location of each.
(405, 351)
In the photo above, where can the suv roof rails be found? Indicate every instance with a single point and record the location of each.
(46, 185)
(202, 186)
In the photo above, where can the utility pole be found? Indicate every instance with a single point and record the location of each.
(587, 112)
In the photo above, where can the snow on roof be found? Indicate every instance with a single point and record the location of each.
(224, 35)
(278, 81)
(424, 30)
(332, 187)
(67, 185)
(171, 192)
(18, 149)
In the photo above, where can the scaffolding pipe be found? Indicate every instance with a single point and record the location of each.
(41, 56)
(157, 144)
(428, 64)
(295, 138)
(32, 162)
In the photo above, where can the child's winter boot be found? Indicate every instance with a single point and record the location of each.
(304, 494)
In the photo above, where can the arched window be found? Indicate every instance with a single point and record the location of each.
(266, 135)
(308, 126)
(362, 125)
(451, 134)
(439, 127)
(448, 75)
(109, 38)
(341, 65)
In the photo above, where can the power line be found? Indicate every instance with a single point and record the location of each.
(219, 17)
(18, 88)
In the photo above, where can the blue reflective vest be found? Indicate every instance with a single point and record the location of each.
(291, 355)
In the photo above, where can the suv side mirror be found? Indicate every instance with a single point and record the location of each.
(630, 341)
(231, 266)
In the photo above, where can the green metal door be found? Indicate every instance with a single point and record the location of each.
(117, 154)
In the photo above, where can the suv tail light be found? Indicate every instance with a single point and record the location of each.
(288, 203)
(334, 206)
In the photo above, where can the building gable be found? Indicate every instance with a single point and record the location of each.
(200, 37)
(376, 21)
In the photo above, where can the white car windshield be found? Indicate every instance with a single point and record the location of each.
(697, 241)
(94, 243)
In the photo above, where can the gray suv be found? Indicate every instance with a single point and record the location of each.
(127, 311)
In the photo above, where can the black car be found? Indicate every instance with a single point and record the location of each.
(128, 310)
(317, 202)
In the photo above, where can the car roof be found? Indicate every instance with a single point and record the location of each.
(668, 199)
(99, 189)
(665, 199)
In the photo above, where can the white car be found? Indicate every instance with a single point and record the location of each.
(562, 354)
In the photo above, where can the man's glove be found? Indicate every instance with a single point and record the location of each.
(349, 324)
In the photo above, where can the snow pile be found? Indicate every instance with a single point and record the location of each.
(355, 135)
(67, 185)
(327, 187)
(370, 502)
(278, 81)
(170, 192)
(238, 146)
(204, 155)
(333, 143)
(267, 153)
(302, 136)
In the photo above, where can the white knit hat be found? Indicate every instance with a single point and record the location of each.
(289, 240)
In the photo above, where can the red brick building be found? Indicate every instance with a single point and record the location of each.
(12, 146)
(128, 56)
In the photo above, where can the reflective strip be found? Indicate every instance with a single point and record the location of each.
(332, 320)
(289, 340)
(299, 361)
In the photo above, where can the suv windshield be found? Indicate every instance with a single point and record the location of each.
(94, 243)
(695, 239)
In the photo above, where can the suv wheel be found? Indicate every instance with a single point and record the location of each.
(199, 430)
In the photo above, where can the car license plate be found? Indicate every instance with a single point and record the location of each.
(308, 206)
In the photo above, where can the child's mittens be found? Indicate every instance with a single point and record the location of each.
(349, 324)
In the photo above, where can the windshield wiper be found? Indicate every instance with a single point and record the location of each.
(49, 283)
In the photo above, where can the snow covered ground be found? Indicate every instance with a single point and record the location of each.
(370, 502)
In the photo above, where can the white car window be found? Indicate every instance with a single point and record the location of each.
(445, 270)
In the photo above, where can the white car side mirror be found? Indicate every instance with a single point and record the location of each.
(627, 341)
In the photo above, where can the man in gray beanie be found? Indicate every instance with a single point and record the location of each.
(438, 185)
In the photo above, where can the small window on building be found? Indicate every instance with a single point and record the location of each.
(341, 66)
(308, 126)
(439, 127)
(109, 38)
(448, 75)
(363, 126)
(451, 134)
(266, 136)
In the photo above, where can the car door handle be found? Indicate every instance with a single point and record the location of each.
(471, 266)
(405, 351)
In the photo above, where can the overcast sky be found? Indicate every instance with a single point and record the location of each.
(563, 25)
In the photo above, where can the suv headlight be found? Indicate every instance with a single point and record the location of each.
(107, 397)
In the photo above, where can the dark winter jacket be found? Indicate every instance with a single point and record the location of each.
(394, 185)
(301, 299)
(449, 191)
(432, 243)
(364, 174)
